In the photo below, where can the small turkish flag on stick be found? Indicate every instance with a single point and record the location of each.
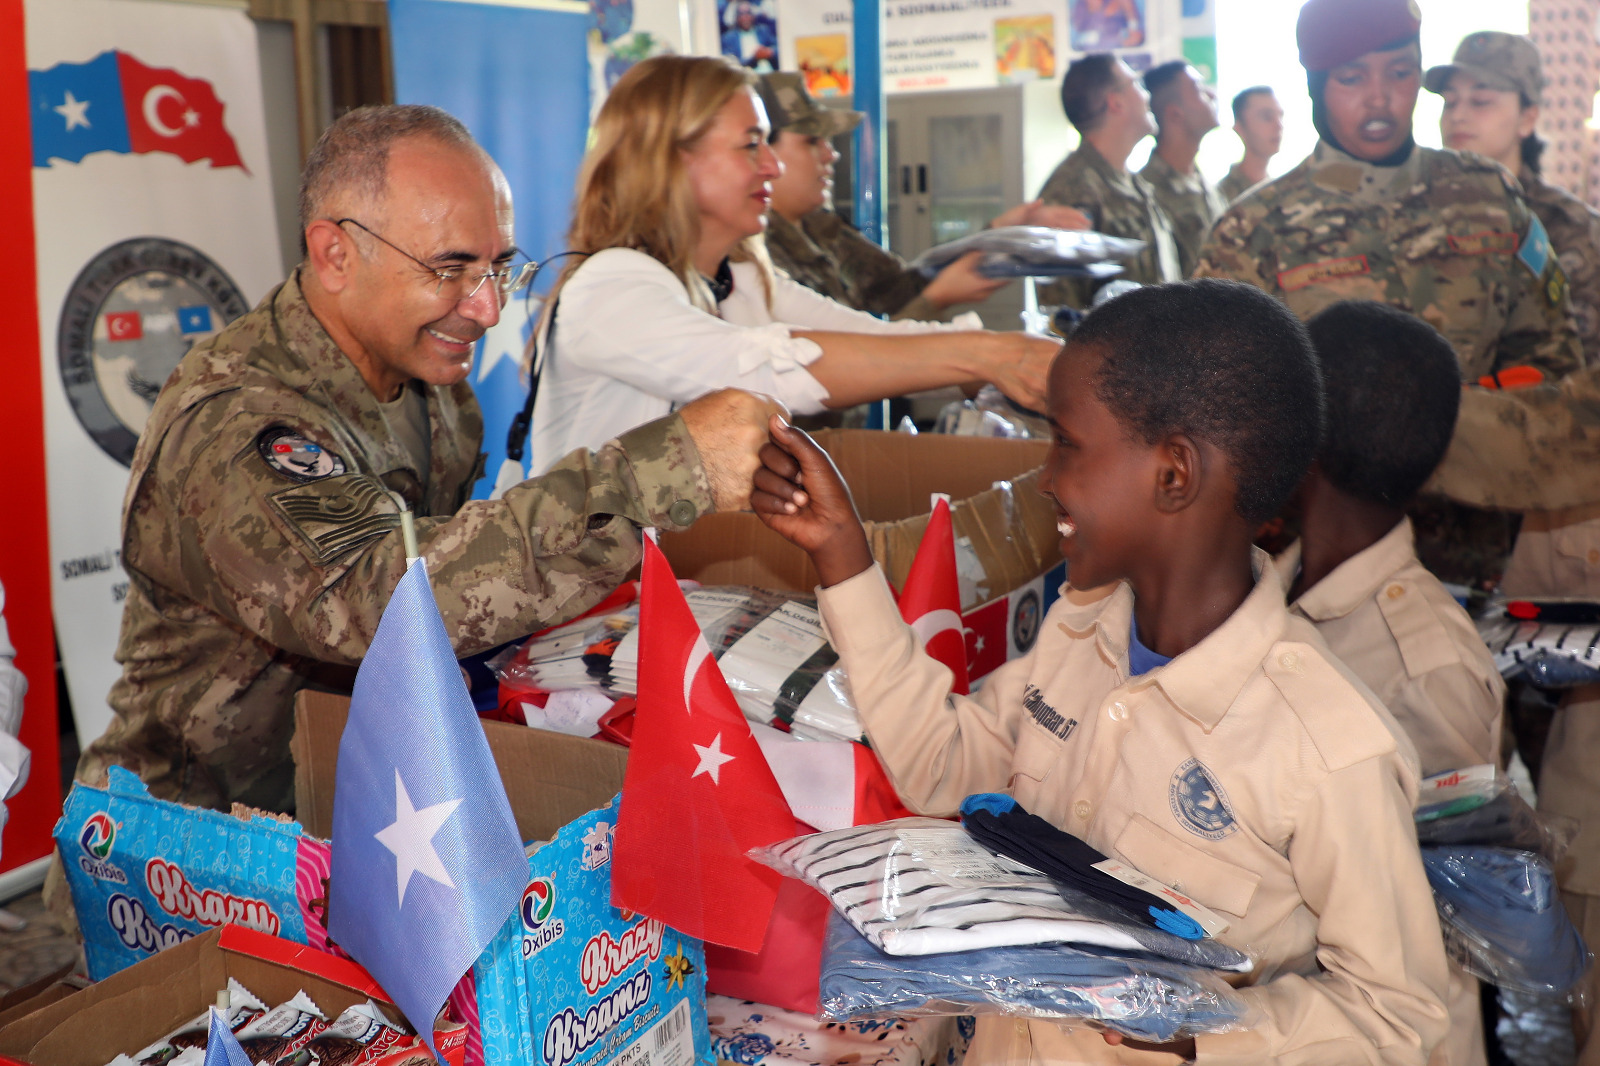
(698, 794)
(931, 601)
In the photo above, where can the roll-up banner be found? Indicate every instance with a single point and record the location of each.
(155, 225)
(518, 77)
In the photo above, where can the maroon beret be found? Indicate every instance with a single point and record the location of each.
(1332, 32)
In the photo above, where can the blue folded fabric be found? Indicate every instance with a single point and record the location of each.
(1149, 999)
(1500, 908)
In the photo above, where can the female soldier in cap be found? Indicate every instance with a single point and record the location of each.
(1371, 215)
(822, 251)
(674, 295)
(1491, 104)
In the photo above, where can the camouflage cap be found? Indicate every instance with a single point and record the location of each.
(1331, 32)
(1497, 60)
(790, 107)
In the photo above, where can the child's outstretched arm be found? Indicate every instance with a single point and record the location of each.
(798, 493)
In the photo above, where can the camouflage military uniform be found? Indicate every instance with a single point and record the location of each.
(1191, 202)
(261, 544)
(1235, 185)
(1122, 205)
(826, 253)
(1442, 236)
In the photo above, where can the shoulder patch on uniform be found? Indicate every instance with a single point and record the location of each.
(1335, 712)
(1425, 644)
(295, 457)
(1555, 289)
(1199, 803)
(1488, 243)
(1535, 250)
(1324, 270)
(334, 515)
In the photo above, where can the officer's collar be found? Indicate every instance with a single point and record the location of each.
(1339, 171)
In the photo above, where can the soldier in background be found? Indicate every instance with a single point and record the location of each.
(1185, 108)
(262, 531)
(1491, 96)
(1371, 215)
(1258, 120)
(1111, 110)
(822, 251)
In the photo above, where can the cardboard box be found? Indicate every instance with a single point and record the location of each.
(1009, 531)
(145, 1002)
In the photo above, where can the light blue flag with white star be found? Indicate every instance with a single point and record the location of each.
(427, 861)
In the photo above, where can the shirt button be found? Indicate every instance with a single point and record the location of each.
(1289, 661)
(1082, 809)
(1118, 711)
(1394, 592)
(683, 512)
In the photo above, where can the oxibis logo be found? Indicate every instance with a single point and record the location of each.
(175, 895)
(538, 904)
(604, 958)
(96, 838)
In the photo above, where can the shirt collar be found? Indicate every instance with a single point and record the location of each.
(1354, 581)
(1204, 681)
(1336, 170)
(1100, 165)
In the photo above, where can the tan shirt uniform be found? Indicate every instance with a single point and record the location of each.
(1254, 771)
(1394, 625)
(1190, 201)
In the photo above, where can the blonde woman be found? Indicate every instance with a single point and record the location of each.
(674, 295)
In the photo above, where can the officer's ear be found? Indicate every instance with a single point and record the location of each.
(331, 253)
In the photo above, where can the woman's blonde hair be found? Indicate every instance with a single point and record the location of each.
(633, 189)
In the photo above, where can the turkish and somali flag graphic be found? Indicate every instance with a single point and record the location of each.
(114, 103)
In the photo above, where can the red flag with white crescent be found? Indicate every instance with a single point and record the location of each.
(931, 600)
(698, 794)
(169, 112)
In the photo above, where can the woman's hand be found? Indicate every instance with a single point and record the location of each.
(1021, 368)
(1184, 1049)
(821, 517)
(960, 283)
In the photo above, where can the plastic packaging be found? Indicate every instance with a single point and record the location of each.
(1502, 919)
(920, 886)
(1143, 998)
(1547, 654)
(1480, 806)
(1035, 251)
(989, 414)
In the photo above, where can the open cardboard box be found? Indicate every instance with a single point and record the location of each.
(145, 1002)
(892, 475)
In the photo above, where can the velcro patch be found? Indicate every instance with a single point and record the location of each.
(295, 457)
(1535, 250)
(1555, 290)
(335, 515)
(1489, 243)
(1326, 270)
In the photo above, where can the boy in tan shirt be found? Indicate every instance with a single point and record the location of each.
(1173, 714)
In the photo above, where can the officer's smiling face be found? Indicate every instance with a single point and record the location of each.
(447, 208)
(1369, 101)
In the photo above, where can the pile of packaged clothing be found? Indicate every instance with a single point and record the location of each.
(1549, 644)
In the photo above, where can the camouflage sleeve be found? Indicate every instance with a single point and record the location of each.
(1064, 187)
(308, 566)
(1532, 449)
(1233, 250)
(881, 281)
(1539, 330)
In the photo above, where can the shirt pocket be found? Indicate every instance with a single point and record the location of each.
(1218, 884)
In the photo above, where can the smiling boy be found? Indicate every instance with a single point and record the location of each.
(1173, 714)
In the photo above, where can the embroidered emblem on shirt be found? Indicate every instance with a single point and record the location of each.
(1045, 715)
(1535, 250)
(295, 457)
(1555, 290)
(337, 515)
(1198, 802)
(1311, 273)
(1484, 244)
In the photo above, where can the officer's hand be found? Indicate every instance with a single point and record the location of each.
(729, 427)
(799, 493)
(960, 283)
(1021, 367)
(1184, 1049)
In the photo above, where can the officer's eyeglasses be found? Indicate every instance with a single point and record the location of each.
(454, 283)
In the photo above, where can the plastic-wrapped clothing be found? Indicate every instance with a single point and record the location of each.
(1500, 909)
(1035, 251)
(1150, 999)
(1502, 821)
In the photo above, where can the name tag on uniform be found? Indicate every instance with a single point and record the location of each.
(1484, 244)
(1326, 270)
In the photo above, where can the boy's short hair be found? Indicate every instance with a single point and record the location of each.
(1392, 389)
(1242, 100)
(1222, 362)
(1084, 88)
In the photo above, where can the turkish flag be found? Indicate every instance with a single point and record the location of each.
(698, 794)
(124, 325)
(931, 600)
(168, 112)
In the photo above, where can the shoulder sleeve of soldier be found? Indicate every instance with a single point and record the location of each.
(1336, 711)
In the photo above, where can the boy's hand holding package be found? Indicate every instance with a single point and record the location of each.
(820, 516)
